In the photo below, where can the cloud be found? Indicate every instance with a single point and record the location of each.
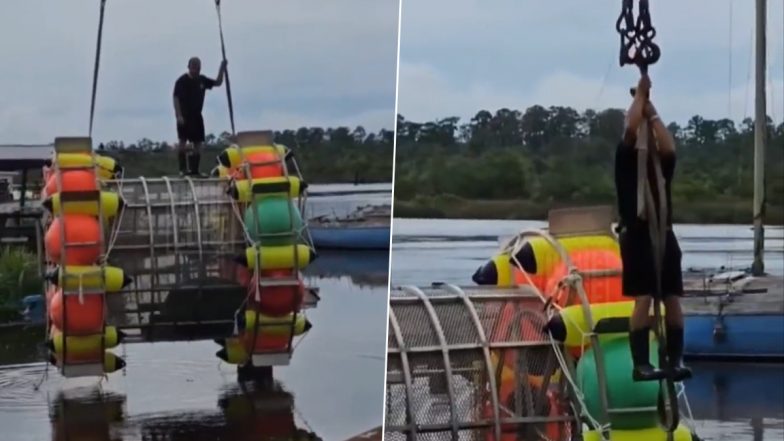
(460, 56)
(293, 61)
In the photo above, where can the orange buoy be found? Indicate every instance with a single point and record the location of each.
(605, 289)
(72, 180)
(272, 170)
(538, 280)
(84, 318)
(276, 301)
(79, 228)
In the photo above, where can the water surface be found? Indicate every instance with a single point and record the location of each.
(730, 402)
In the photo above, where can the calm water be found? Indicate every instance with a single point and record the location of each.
(333, 388)
(730, 402)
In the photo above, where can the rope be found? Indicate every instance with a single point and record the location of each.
(95, 68)
(226, 69)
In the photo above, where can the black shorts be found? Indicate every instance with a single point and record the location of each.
(639, 271)
(192, 130)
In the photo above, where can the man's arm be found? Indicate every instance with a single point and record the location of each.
(664, 138)
(635, 115)
(219, 79)
(176, 100)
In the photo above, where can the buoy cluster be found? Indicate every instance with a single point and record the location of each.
(77, 276)
(267, 195)
(536, 262)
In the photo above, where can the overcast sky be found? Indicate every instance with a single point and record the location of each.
(460, 56)
(291, 63)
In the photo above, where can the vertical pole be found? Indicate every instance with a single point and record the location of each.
(760, 129)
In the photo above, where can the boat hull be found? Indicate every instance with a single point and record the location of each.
(351, 238)
(752, 336)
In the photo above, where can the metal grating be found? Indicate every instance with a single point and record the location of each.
(443, 381)
(177, 238)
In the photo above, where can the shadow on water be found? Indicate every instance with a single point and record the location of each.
(242, 412)
(181, 391)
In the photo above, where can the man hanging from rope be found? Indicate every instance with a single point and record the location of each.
(645, 129)
(189, 90)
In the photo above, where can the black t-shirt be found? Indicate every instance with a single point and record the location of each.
(190, 92)
(626, 183)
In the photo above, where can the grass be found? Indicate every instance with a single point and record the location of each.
(18, 275)
(716, 211)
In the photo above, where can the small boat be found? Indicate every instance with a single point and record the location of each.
(367, 228)
(734, 315)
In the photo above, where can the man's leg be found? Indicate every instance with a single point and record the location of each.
(198, 136)
(675, 338)
(182, 137)
(639, 341)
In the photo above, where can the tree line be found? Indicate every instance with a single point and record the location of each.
(338, 154)
(559, 156)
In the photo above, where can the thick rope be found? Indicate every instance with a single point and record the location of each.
(226, 69)
(95, 68)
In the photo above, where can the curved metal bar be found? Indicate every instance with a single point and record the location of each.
(198, 221)
(395, 325)
(175, 223)
(486, 351)
(153, 259)
(444, 350)
(575, 282)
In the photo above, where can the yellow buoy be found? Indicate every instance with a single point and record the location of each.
(233, 351)
(276, 325)
(84, 344)
(278, 257)
(111, 204)
(108, 168)
(570, 326)
(111, 362)
(113, 279)
(546, 257)
(241, 189)
(682, 433)
(231, 156)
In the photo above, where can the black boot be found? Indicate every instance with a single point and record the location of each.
(640, 346)
(182, 163)
(675, 354)
(193, 164)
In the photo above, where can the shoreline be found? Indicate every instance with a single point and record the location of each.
(727, 212)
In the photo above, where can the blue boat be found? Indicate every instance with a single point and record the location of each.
(361, 230)
(735, 316)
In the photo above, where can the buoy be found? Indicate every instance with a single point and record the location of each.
(84, 318)
(682, 433)
(276, 301)
(240, 189)
(495, 272)
(277, 257)
(111, 204)
(108, 168)
(82, 348)
(111, 362)
(273, 220)
(269, 165)
(622, 390)
(231, 157)
(274, 325)
(71, 180)
(234, 350)
(604, 289)
(79, 229)
(113, 279)
(538, 256)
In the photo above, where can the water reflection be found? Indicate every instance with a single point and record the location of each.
(245, 411)
(738, 393)
(364, 268)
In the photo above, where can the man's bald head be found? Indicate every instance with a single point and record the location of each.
(194, 66)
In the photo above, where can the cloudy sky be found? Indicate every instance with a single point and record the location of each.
(460, 56)
(291, 63)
